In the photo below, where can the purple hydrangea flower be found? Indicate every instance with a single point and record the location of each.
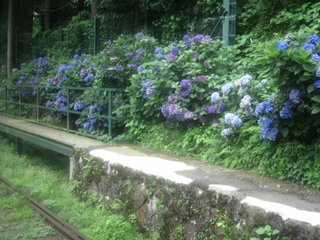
(201, 78)
(188, 115)
(118, 68)
(187, 40)
(83, 72)
(170, 57)
(206, 64)
(186, 87)
(170, 110)
(210, 109)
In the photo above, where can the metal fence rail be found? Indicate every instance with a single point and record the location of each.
(32, 107)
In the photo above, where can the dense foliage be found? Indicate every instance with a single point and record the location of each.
(254, 105)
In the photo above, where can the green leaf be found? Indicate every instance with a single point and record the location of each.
(285, 132)
(260, 231)
(310, 88)
(316, 98)
(315, 109)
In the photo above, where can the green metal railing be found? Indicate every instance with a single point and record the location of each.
(15, 103)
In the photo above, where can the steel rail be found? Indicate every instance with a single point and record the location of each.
(60, 225)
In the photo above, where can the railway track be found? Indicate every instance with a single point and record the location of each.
(64, 228)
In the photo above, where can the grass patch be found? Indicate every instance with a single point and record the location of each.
(18, 220)
(46, 178)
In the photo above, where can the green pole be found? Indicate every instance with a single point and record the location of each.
(37, 107)
(229, 22)
(109, 114)
(68, 106)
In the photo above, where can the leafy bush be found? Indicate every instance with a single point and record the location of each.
(291, 73)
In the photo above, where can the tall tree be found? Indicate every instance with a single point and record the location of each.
(11, 36)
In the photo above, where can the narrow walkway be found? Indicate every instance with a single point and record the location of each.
(286, 199)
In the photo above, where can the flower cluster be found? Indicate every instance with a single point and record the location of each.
(269, 131)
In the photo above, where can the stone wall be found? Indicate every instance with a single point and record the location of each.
(169, 210)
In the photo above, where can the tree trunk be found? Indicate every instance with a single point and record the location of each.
(47, 22)
(94, 8)
(11, 37)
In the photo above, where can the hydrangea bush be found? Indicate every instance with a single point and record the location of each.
(292, 72)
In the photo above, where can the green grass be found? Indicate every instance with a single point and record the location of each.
(46, 179)
(18, 220)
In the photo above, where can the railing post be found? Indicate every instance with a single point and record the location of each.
(19, 103)
(109, 113)
(229, 22)
(6, 99)
(37, 106)
(68, 106)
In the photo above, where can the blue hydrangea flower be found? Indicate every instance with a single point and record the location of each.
(49, 103)
(78, 106)
(317, 84)
(148, 88)
(318, 72)
(158, 50)
(86, 125)
(286, 111)
(88, 77)
(282, 45)
(175, 51)
(265, 107)
(295, 96)
(170, 57)
(227, 132)
(141, 68)
(196, 56)
(227, 88)
(236, 121)
(215, 97)
(316, 57)
(159, 56)
(313, 38)
(309, 46)
(268, 131)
